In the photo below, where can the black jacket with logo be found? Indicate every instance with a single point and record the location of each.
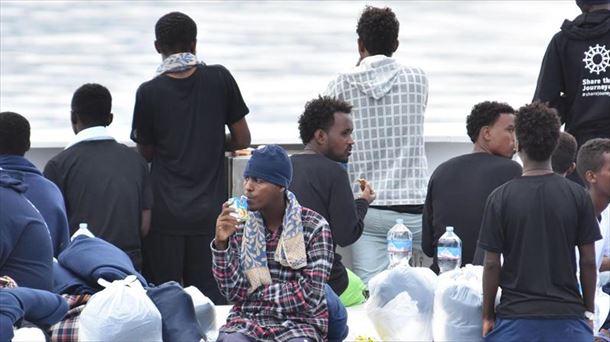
(575, 75)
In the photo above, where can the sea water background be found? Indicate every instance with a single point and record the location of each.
(282, 53)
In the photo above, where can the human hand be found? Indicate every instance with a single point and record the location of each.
(226, 224)
(367, 191)
(488, 326)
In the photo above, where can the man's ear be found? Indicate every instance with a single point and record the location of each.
(485, 133)
(194, 47)
(571, 169)
(395, 46)
(158, 47)
(109, 121)
(590, 177)
(320, 136)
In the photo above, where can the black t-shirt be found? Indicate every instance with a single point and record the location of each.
(184, 120)
(457, 191)
(535, 223)
(105, 184)
(322, 185)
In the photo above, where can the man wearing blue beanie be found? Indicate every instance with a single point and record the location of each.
(274, 263)
(575, 72)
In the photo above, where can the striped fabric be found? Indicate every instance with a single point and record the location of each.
(294, 304)
(389, 102)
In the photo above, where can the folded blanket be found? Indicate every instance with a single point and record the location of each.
(66, 282)
(40, 307)
(93, 258)
(179, 322)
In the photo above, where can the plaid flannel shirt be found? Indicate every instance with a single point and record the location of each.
(389, 101)
(294, 305)
(67, 329)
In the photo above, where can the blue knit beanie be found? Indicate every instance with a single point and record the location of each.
(271, 164)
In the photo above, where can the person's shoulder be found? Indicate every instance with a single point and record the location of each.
(316, 161)
(312, 219)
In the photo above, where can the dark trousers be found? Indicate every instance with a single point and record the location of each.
(186, 259)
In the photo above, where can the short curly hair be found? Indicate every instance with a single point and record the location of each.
(590, 155)
(175, 32)
(485, 114)
(92, 104)
(565, 153)
(378, 30)
(537, 130)
(319, 114)
(14, 134)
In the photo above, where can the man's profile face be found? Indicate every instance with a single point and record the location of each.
(603, 176)
(259, 193)
(502, 136)
(339, 142)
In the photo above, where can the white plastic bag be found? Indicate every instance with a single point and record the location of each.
(401, 303)
(120, 312)
(205, 310)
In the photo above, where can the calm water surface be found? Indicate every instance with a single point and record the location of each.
(282, 54)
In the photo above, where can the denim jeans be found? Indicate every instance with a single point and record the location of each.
(369, 253)
(538, 330)
(337, 316)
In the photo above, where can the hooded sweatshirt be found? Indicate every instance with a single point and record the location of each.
(389, 101)
(45, 195)
(575, 75)
(26, 254)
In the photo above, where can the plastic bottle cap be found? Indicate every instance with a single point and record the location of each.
(399, 221)
(449, 229)
(82, 226)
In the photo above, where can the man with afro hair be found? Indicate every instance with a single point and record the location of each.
(179, 125)
(458, 188)
(535, 222)
(321, 183)
(389, 101)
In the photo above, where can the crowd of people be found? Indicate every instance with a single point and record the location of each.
(539, 224)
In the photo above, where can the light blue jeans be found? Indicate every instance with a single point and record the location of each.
(369, 253)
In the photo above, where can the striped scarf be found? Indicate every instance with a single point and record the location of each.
(290, 251)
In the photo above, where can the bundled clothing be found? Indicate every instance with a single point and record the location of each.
(290, 303)
(67, 329)
(26, 251)
(45, 195)
(572, 75)
(39, 307)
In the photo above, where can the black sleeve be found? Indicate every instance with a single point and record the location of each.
(236, 105)
(550, 86)
(142, 122)
(50, 172)
(491, 235)
(345, 215)
(427, 230)
(588, 230)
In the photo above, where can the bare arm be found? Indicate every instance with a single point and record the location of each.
(588, 274)
(146, 151)
(605, 266)
(491, 281)
(145, 225)
(239, 136)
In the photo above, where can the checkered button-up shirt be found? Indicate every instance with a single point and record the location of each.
(389, 102)
(294, 305)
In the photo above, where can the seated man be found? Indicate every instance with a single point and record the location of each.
(459, 187)
(275, 265)
(26, 253)
(563, 159)
(104, 183)
(14, 143)
(535, 222)
(321, 184)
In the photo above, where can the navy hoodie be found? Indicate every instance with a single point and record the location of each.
(45, 195)
(575, 75)
(26, 254)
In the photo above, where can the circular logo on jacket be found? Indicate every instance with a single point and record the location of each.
(597, 59)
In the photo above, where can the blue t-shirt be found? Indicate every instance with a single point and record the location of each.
(26, 253)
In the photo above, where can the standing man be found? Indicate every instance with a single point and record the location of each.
(575, 73)
(321, 184)
(389, 101)
(535, 222)
(14, 143)
(179, 125)
(274, 267)
(459, 187)
(104, 183)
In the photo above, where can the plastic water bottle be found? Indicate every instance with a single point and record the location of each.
(83, 229)
(449, 251)
(400, 244)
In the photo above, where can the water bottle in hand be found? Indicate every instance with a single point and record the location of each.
(400, 244)
(449, 251)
